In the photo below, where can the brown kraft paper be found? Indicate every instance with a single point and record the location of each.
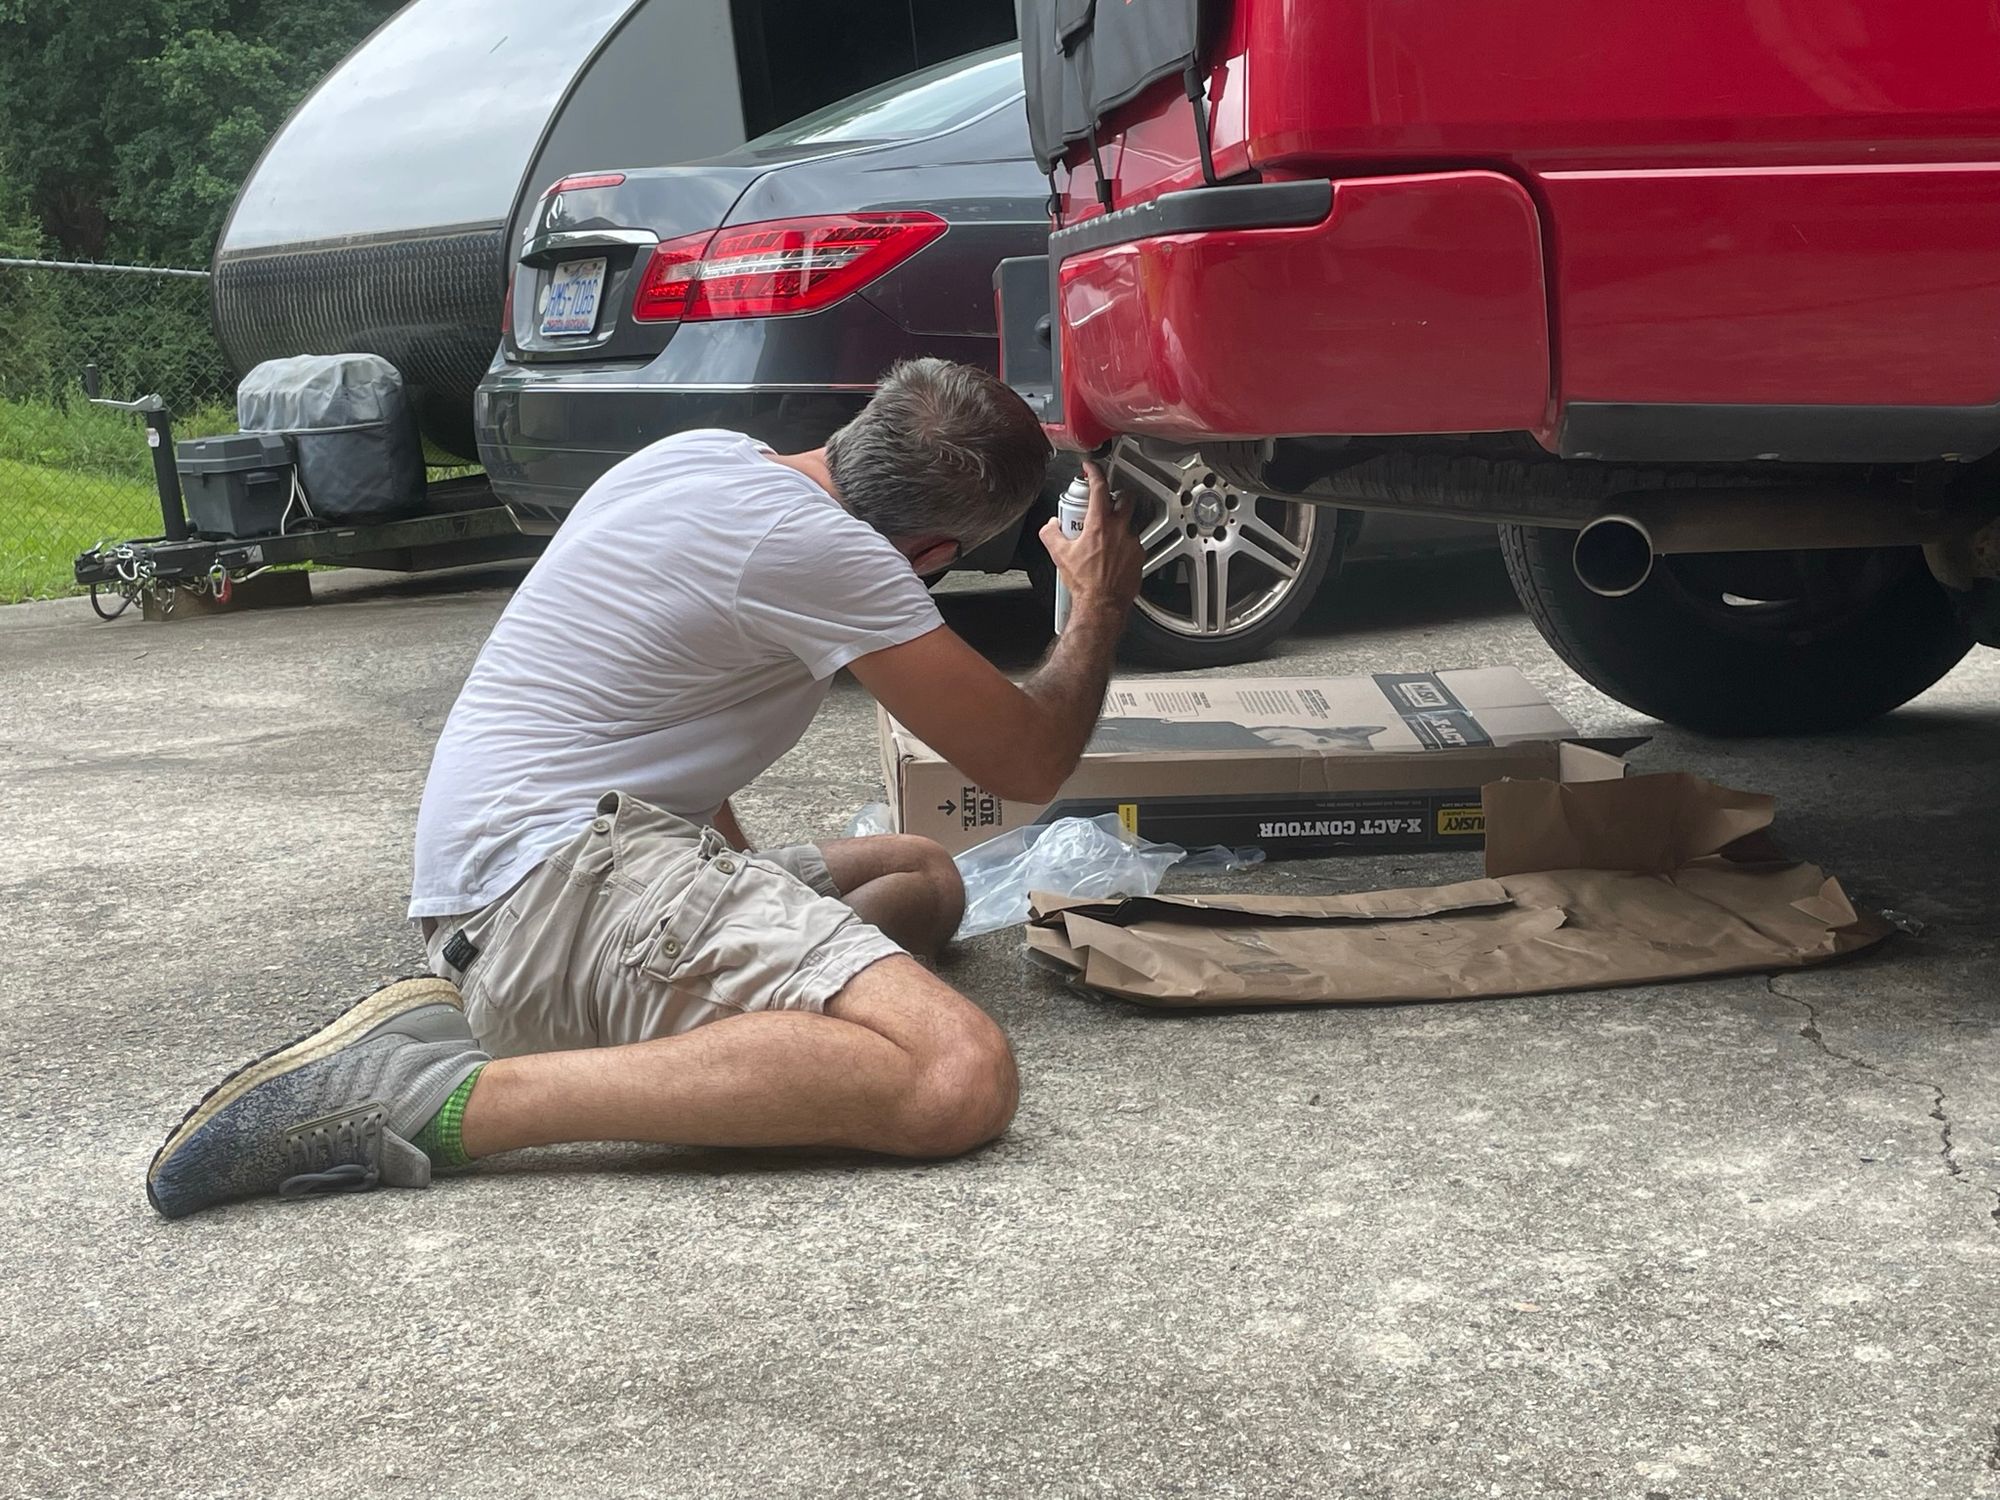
(1588, 886)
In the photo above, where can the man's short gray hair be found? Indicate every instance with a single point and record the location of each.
(942, 450)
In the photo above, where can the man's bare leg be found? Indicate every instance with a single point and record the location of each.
(903, 884)
(899, 1063)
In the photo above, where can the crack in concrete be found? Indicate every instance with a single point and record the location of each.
(1811, 1032)
(1944, 1134)
(1947, 1151)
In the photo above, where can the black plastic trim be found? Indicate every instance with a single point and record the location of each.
(1626, 432)
(1029, 350)
(1251, 205)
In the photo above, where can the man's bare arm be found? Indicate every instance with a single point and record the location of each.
(1022, 741)
(1019, 741)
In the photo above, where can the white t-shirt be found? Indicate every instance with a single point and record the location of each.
(675, 639)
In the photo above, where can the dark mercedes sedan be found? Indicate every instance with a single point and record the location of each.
(765, 290)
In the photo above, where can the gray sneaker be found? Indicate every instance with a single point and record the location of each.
(333, 1112)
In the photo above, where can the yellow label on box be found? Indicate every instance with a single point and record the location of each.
(1128, 817)
(1469, 821)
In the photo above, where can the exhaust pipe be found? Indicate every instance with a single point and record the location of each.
(1614, 552)
(1613, 556)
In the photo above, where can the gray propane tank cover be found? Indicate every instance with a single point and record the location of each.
(360, 457)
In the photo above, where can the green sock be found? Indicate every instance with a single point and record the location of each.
(439, 1140)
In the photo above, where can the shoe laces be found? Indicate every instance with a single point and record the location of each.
(340, 1154)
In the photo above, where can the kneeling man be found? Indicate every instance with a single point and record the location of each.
(612, 959)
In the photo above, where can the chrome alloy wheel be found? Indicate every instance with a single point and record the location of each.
(1218, 559)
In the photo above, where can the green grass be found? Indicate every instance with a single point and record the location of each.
(49, 515)
(92, 439)
(71, 477)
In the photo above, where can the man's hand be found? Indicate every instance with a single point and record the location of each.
(1022, 741)
(1102, 566)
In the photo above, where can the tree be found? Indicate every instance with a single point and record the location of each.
(130, 124)
(20, 235)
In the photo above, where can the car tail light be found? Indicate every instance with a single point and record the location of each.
(670, 278)
(779, 267)
(801, 265)
(507, 307)
(583, 180)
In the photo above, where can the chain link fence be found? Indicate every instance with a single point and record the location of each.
(72, 474)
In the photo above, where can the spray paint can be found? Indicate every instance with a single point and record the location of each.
(1071, 511)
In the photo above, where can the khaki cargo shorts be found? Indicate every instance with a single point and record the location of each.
(646, 926)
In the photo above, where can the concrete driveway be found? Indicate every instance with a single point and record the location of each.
(1735, 1238)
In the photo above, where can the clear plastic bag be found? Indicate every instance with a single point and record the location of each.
(1219, 859)
(1071, 857)
(869, 819)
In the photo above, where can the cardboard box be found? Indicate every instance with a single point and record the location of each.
(1297, 766)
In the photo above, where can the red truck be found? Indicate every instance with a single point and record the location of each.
(1700, 305)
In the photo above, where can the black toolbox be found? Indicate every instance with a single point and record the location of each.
(236, 485)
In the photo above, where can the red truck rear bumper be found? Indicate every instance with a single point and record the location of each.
(1417, 304)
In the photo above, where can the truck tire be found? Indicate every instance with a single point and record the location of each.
(1276, 555)
(1745, 643)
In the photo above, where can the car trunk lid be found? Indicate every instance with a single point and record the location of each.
(587, 247)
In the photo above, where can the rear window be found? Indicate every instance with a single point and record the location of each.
(922, 103)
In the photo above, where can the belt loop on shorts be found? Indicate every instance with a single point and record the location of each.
(607, 812)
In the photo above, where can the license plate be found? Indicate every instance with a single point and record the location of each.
(571, 307)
